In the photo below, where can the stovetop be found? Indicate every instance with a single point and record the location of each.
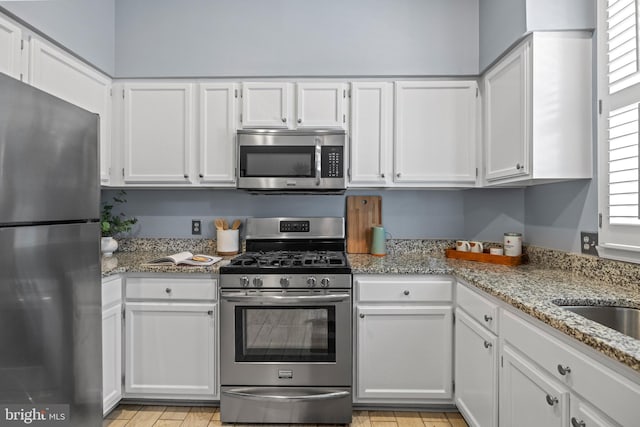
(288, 262)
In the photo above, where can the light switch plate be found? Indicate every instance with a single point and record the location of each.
(588, 243)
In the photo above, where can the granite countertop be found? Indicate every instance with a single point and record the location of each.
(532, 289)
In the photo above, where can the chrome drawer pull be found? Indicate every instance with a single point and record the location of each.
(487, 318)
(168, 290)
(551, 400)
(564, 370)
(406, 292)
(487, 344)
(576, 423)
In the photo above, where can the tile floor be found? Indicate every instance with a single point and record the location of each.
(184, 416)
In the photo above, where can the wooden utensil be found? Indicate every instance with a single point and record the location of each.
(363, 212)
(225, 224)
(236, 224)
(219, 223)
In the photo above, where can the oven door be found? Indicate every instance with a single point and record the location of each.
(285, 338)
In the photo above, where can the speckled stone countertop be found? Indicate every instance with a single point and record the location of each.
(551, 276)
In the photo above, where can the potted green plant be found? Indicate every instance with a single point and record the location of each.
(113, 224)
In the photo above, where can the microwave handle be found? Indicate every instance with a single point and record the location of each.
(318, 161)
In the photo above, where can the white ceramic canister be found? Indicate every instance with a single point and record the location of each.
(513, 244)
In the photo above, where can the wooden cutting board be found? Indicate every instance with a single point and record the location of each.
(363, 212)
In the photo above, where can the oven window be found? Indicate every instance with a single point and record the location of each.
(285, 334)
(294, 162)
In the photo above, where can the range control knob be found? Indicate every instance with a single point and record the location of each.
(284, 282)
(325, 282)
(311, 281)
(257, 282)
(244, 281)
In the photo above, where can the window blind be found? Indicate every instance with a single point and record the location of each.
(622, 44)
(624, 164)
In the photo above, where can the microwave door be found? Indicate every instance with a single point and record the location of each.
(276, 167)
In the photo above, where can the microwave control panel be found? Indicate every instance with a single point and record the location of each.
(332, 162)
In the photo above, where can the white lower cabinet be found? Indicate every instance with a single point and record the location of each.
(529, 397)
(170, 345)
(403, 340)
(476, 375)
(111, 342)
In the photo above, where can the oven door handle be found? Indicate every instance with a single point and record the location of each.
(280, 299)
(261, 394)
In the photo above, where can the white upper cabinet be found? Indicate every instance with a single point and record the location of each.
(66, 77)
(10, 48)
(157, 127)
(538, 109)
(435, 133)
(218, 122)
(271, 105)
(265, 105)
(371, 134)
(321, 105)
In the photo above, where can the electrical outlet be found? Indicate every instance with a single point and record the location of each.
(196, 226)
(588, 243)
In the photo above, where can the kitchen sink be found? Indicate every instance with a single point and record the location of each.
(625, 320)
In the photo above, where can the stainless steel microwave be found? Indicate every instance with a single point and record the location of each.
(291, 160)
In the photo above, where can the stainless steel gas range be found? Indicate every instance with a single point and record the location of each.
(286, 324)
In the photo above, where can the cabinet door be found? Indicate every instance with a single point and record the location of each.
(507, 116)
(371, 134)
(584, 415)
(321, 105)
(217, 133)
(170, 350)
(157, 132)
(66, 77)
(529, 398)
(435, 133)
(476, 361)
(10, 48)
(111, 356)
(265, 105)
(404, 352)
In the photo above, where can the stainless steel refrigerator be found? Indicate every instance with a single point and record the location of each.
(50, 296)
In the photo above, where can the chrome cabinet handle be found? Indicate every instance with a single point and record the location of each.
(362, 315)
(168, 290)
(406, 292)
(299, 120)
(576, 423)
(210, 312)
(398, 175)
(487, 344)
(186, 176)
(381, 175)
(201, 176)
(564, 370)
(518, 167)
(487, 318)
(551, 400)
(284, 120)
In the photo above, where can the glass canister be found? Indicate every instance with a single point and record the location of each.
(513, 244)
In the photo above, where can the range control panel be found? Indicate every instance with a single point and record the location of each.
(294, 226)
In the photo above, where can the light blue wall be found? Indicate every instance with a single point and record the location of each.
(406, 214)
(170, 38)
(491, 212)
(84, 27)
(501, 23)
(561, 14)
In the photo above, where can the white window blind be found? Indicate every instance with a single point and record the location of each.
(623, 165)
(619, 129)
(622, 52)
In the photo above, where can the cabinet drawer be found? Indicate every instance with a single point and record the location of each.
(607, 390)
(171, 288)
(111, 290)
(478, 307)
(395, 289)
